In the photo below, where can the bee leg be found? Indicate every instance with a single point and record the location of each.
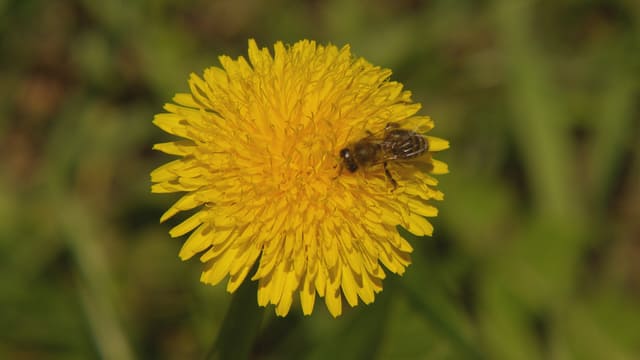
(339, 172)
(391, 179)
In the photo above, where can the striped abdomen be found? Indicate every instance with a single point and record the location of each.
(403, 144)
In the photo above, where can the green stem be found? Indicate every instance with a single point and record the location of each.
(240, 326)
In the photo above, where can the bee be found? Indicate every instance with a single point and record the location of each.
(395, 144)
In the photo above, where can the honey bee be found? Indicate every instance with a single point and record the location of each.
(395, 144)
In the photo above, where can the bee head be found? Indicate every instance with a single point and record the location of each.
(348, 160)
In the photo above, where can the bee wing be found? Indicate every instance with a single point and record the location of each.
(378, 136)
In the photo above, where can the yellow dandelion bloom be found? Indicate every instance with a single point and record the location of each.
(259, 163)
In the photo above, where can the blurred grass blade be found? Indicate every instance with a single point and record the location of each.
(96, 284)
(109, 338)
(505, 324)
(359, 334)
(539, 123)
(430, 300)
(240, 326)
(362, 338)
(438, 311)
(613, 123)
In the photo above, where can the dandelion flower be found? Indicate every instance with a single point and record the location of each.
(259, 167)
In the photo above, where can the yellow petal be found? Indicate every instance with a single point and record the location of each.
(437, 144)
(181, 148)
(439, 167)
(217, 270)
(333, 299)
(307, 295)
(188, 225)
(187, 202)
(198, 241)
(349, 287)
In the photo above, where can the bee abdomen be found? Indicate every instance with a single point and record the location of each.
(404, 144)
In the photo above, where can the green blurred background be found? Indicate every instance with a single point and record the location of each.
(536, 252)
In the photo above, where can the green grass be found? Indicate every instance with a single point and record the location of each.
(535, 253)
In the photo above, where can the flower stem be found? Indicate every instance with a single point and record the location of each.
(240, 326)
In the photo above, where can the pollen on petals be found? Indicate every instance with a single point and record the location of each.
(259, 168)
